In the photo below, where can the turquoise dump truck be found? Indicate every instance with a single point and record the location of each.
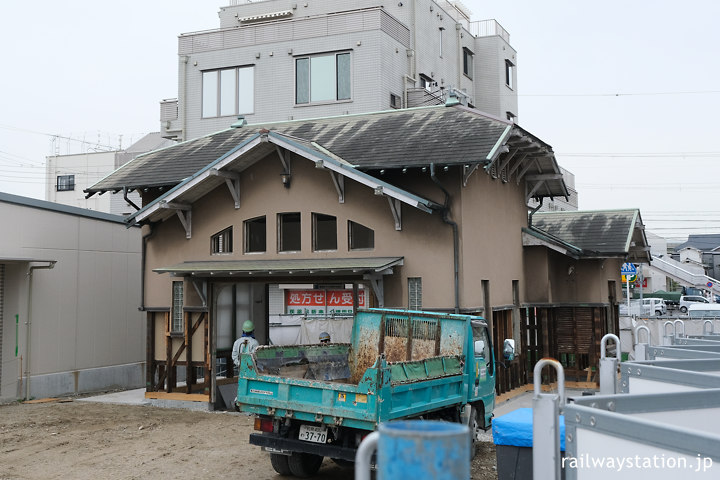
(316, 401)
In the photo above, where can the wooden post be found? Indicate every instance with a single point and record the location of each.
(150, 352)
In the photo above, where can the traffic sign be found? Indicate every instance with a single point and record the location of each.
(709, 284)
(628, 269)
(629, 278)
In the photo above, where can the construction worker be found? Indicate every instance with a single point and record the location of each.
(246, 343)
(324, 337)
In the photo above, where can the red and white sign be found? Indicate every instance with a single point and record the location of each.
(319, 302)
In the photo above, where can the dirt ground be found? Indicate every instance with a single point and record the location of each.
(85, 440)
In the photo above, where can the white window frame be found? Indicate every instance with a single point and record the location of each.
(414, 293)
(509, 74)
(177, 323)
(468, 62)
(336, 93)
(212, 105)
(65, 183)
(222, 242)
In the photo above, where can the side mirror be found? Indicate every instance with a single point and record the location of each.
(509, 349)
(480, 347)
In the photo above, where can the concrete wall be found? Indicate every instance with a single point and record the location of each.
(87, 168)
(84, 310)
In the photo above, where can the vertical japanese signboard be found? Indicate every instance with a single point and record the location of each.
(322, 302)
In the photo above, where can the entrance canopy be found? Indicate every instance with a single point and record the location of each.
(299, 266)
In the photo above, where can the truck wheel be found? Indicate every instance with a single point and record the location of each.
(280, 463)
(477, 424)
(658, 313)
(304, 464)
(683, 309)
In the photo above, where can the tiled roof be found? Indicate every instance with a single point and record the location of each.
(394, 139)
(597, 233)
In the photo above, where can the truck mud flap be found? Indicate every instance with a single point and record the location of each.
(280, 443)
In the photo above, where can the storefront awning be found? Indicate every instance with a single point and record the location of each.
(299, 266)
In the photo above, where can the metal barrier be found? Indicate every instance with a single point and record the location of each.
(546, 422)
(641, 348)
(643, 436)
(609, 366)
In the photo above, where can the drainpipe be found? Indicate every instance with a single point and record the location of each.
(456, 247)
(143, 257)
(533, 211)
(50, 265)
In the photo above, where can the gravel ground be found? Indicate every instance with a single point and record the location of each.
(83, 440)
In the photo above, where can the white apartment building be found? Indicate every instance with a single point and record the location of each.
(68, 175)
(277, 60)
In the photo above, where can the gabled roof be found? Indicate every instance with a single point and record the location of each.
(598, 234)
(702, 242)
(248, 153)
(374, 141)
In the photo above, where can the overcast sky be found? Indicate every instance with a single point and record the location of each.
(626, 92)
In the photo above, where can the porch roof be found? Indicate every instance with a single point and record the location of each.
(289, 267)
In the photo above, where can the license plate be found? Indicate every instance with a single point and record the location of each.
(313, 434)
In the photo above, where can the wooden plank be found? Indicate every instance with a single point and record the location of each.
(168, 355)
(150, 352)
(189, 370)
(183, 397)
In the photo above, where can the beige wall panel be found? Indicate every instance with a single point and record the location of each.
(262, 193)
(537, 286)
(493, 214)
(159, 336)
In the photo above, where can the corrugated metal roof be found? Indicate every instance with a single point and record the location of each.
(298, 266)
(59, 208)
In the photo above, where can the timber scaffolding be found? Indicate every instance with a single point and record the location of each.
(190, 349)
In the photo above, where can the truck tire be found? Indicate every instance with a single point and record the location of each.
(683, 309)
(477, 426)
(280, 463)
(658, 313)
(303, 465)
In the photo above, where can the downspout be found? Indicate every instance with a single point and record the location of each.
(50, 265)
(129, 202)
(534, 211)
(456, 246)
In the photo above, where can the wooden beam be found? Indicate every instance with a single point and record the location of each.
(339, 182)
(150, 352)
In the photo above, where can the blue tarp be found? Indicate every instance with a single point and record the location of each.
(516, 429)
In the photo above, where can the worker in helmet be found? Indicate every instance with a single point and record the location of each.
(324, 337)
(246, 343)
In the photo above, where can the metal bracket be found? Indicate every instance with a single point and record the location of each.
(339, 182)
(232, 180)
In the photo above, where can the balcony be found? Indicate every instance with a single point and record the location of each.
(488, 28)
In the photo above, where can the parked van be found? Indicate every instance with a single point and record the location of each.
(704, 310)
(688, 300)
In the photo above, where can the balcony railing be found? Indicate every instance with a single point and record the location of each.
(488, 28)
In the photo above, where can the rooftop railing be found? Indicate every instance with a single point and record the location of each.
(488, 28)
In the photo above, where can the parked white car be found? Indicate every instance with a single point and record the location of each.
(655, 306)
(687, 300)
(648, 307)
